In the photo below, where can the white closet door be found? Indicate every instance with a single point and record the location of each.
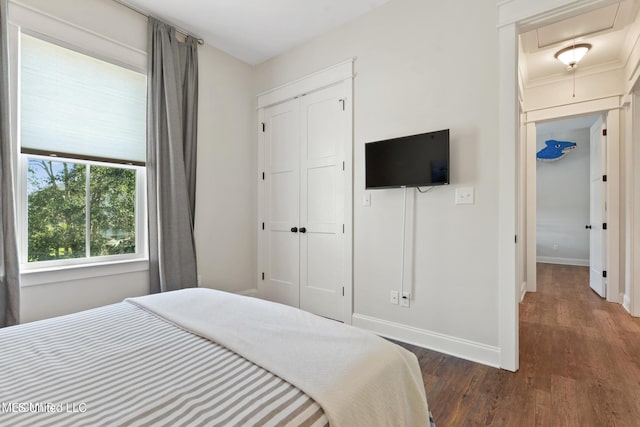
(282, 189)
(322, 202)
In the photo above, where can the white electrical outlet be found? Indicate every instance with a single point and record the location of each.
(464, 196)
(556, 247)
(393, 299)
(404, 301)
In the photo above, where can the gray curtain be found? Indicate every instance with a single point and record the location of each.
(171, 157)
(9, 267)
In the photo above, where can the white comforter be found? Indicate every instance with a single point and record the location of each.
(359, 379)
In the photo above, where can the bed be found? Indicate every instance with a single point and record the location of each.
(204, 357)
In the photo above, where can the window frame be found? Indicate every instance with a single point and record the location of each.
(70, 36)
(23, 217)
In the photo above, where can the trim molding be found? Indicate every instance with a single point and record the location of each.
(634, 212)
(575, 109)
(523, 291)
(508, 128)
(564, 261)
(312, 82)
(612, 203)
(530, 14)
(601, 70)
(530, 194)
(458, 347)
(626, 303)
(59, 274)
(54, 29)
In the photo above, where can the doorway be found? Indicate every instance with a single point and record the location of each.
(514, 18)
(604, 234)
(570, 192)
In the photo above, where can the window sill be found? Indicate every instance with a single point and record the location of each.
(78, 272)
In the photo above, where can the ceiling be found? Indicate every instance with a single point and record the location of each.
(255, 30)
(606, 29)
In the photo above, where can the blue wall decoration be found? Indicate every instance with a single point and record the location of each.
(555, 150)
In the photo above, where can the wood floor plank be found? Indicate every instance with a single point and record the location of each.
(564, 411)
(579, 364)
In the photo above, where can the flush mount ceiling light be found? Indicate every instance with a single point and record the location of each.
(570, 56)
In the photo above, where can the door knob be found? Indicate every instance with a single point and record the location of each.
(294, 229)
(303, 230)
(588, 227)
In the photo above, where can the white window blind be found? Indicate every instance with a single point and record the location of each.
(77, 106)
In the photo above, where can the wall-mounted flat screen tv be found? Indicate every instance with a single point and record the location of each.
(410, 161)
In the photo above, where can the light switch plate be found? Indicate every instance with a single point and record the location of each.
(464, 196)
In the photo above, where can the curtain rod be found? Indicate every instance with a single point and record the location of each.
(200, 40)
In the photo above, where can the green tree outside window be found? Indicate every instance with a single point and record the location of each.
(60, 194)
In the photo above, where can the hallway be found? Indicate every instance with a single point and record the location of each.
(579, 364)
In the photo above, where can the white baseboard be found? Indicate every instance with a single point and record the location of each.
(626, 303)
(523, 290)
(565, 261)
(464, 349)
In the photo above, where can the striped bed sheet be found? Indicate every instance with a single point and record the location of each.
(121, 365)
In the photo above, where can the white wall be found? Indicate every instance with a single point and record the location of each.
(410, 78)
(226, 201)
(226, 209)
(563, 201)
(58, 298)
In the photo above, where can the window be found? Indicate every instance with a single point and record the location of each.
(82, 142)
(59, 196)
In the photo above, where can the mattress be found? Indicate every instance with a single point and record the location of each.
(200, 357)
(122, 365)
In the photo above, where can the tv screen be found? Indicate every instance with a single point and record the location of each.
(410, 161)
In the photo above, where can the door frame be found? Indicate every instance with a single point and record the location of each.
(610, 108)
(632, 154)
(513, 18)
(338, 73)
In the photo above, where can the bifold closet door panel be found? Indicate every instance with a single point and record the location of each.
(282, 202)
(322, 195)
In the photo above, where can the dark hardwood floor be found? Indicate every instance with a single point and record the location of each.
(579, 364)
